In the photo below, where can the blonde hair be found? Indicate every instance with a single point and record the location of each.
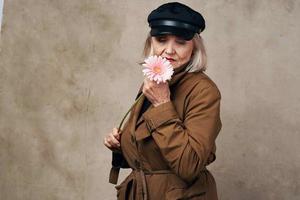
(198, 61)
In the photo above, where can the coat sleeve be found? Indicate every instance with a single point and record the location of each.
(186, 145)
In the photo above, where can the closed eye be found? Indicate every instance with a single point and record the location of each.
(181, 41)
(161, 39)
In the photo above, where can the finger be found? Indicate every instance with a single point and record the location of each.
(146, 80)
(148, 83)
(106, 143)
(163, 84)
(113, 141)
(115, 130)
(116, 133)
(109, 146)
(148, 93)
(146, 87)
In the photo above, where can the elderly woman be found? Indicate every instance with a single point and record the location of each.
(169, 138)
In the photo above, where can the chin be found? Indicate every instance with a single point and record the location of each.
(175, 65)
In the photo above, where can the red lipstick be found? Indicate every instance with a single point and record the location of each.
(170, 59)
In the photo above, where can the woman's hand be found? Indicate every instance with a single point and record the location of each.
(156, 93)
(112, 140)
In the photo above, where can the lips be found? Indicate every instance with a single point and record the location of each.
(170, 59)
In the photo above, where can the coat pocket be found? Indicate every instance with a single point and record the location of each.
(175, 194)
(198, 189)
(178, 189)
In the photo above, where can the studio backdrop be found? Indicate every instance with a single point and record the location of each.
(69, 71)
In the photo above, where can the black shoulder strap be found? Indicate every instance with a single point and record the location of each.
(118, 161)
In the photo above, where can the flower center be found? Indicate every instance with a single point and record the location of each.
(157, 69)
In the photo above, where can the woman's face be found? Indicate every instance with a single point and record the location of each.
(175, 49)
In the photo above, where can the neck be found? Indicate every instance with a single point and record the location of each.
(180, 68)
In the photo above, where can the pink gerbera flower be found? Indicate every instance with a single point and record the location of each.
(158, 69)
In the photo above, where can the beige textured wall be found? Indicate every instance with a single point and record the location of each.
(68, 73)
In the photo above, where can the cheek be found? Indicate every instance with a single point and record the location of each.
(190, 50)
(186, 54)
(157, 49)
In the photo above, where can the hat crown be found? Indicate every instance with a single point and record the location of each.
(174, 7)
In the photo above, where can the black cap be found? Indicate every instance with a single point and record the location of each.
(176, 19)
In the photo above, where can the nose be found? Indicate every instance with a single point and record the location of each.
(170, 48)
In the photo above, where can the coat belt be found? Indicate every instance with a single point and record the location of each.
(137, 182)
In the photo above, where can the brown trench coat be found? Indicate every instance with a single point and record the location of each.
(170, 145)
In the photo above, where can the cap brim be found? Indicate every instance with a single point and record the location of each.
(165, 30)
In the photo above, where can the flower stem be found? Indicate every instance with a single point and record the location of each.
(136, 101)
